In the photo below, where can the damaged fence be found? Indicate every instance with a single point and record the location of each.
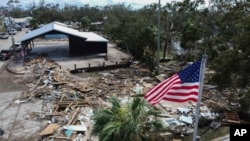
(104, 66)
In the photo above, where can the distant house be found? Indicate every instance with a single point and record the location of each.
(96, 26)
(7, 21)
(24, 22)
(80, 43)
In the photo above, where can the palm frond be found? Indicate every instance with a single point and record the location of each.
(129, 122)
(111, 131)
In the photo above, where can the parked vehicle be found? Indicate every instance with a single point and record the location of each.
(18, 27)
(12, 31)
(5, 54)
(4, 35)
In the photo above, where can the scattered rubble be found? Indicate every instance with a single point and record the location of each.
(69, 101)
(181, 120)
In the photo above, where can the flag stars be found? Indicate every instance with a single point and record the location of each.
(191, 73)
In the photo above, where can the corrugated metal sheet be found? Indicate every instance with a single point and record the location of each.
(91, 36)
(60, 27)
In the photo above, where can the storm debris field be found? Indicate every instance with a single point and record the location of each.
(56, 105)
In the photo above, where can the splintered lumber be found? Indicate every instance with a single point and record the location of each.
(41, 76)
(160, 78)
(55, 111)
(74, 116)
(49, 130)
(72, 103)
(208, 95)
(60, 138)
(232, 117)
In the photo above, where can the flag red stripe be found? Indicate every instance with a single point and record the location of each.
(172, 87)
(158, 92)
(180, 100)
(180, 87)
(186, 87)
(158, 96)
(159, 88)
(183, 94)
(161, 85)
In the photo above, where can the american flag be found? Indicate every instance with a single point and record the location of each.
(180, 87)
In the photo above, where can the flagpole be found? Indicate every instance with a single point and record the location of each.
(201, 81)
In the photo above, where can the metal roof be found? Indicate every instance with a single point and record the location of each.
(20, 20)
(60, 27)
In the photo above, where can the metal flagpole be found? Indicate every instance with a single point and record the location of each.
(201, 81)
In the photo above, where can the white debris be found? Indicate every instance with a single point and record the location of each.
(138, 89)
(184, 110)
(186, 119)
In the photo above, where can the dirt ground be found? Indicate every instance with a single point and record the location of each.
(10, 81)
(12, 118)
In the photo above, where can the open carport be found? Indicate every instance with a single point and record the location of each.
(80, 43)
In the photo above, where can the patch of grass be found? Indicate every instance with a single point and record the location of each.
(211, 134)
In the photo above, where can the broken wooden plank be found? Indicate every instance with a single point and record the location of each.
(160, 78)
(50, 129)
(74, 116)
(232, 117)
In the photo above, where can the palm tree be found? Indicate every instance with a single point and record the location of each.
(128, 122)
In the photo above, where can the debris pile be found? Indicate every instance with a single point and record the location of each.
(69, 101)
(181, 120)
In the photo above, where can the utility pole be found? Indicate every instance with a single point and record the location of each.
(12, 39)
(158, 38)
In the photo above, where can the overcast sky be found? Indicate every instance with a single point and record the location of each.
(133, 3)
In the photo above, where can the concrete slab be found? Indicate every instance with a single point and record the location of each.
(58, 50)
(12, 118)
